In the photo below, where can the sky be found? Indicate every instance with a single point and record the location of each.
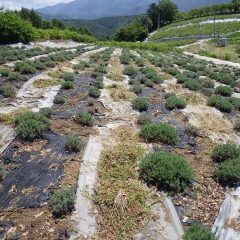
(17, 4)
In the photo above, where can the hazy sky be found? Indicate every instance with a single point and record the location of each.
(16, 4)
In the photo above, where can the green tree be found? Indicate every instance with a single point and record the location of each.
(168, 11)
(14, 29)
(57, 24)
(153, 14)
(236, 6)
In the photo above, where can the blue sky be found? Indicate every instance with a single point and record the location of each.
(16, 4)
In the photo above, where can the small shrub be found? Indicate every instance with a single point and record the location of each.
(235, 102)
(174, 102)
(59, 100)
(140, 104)
(199, 232)
(157, 79)
(68, 77)
(85, 119)
(94, 92)
(2, 171)
(7, 90)
(181, 78)
(73, 143)
(5, 72)
(130, 71)
(193, 85)
(144, 119)
(167, 170)
(192, 130)
(62, 202)
(229, 171)
(173, 71)
(142, 79)
(223, 152)
(220, 103)
(163, 133)
(208, 84)
(223, 91)
(99, 84)
(39, 65)
(30, 125)
(237, 125)
(47, 112)
(137, 88)
(67, 85)
(27, 69)
(149, 83)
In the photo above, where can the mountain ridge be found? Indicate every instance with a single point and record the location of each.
(92, 9)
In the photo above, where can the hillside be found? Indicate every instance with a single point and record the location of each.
(91, 9)
(101, 27)
(225, 24)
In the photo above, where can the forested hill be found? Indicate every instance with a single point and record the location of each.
(101, 27)
(92, 9)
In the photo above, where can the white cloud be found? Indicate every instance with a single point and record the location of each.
(17, 4)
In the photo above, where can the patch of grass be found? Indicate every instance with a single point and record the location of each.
(118, 92)
(166, 170)
(73, 143)
(122, 206)
(163, 133)
(223, 152)
(45, 83)
(85, 119)
(140, 104)
(62, 202)
(223, 91)
(199, 232)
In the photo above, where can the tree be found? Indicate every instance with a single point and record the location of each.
(153, 14)
(57, 24)
(168, 11)
(31, 16)
(236, 6)
(14, 29)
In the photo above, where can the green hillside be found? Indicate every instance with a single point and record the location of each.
(193, 27)
(102, 27)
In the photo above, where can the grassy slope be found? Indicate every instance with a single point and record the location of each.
(102, 26)
(196, 29)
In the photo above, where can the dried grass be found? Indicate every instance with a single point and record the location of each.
(118, 92)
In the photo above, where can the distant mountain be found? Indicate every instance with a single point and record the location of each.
(92, 9)
(101, 27)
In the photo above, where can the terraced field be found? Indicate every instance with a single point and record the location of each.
(108, 143)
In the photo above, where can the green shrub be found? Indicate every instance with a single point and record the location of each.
(130, 71)
(73, 143)
(149, 83)
(208, 84)
(163, 133)
(235, 102)
(94, 92)
(223, 91)
(142, 79)
(137, 88)
(59, 100)
(166, 170)
(62, 202)
(47, 112)
(2, 171)
(157, 79)
(139, 61)
(174, 102)
(229, 171)
(237, 125)
(144, 119)
(30, 125)
(39, 65)
(85, 119)
(14, 29)
(68, 77)
(199, 232)
(99, 84)
(223, 152)
(5, 71)
(27, 69)
(220, 103)
(7, 90)
(67, 85)
(181, 78)
(193, 85)
(140, 104)
(173, 71)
